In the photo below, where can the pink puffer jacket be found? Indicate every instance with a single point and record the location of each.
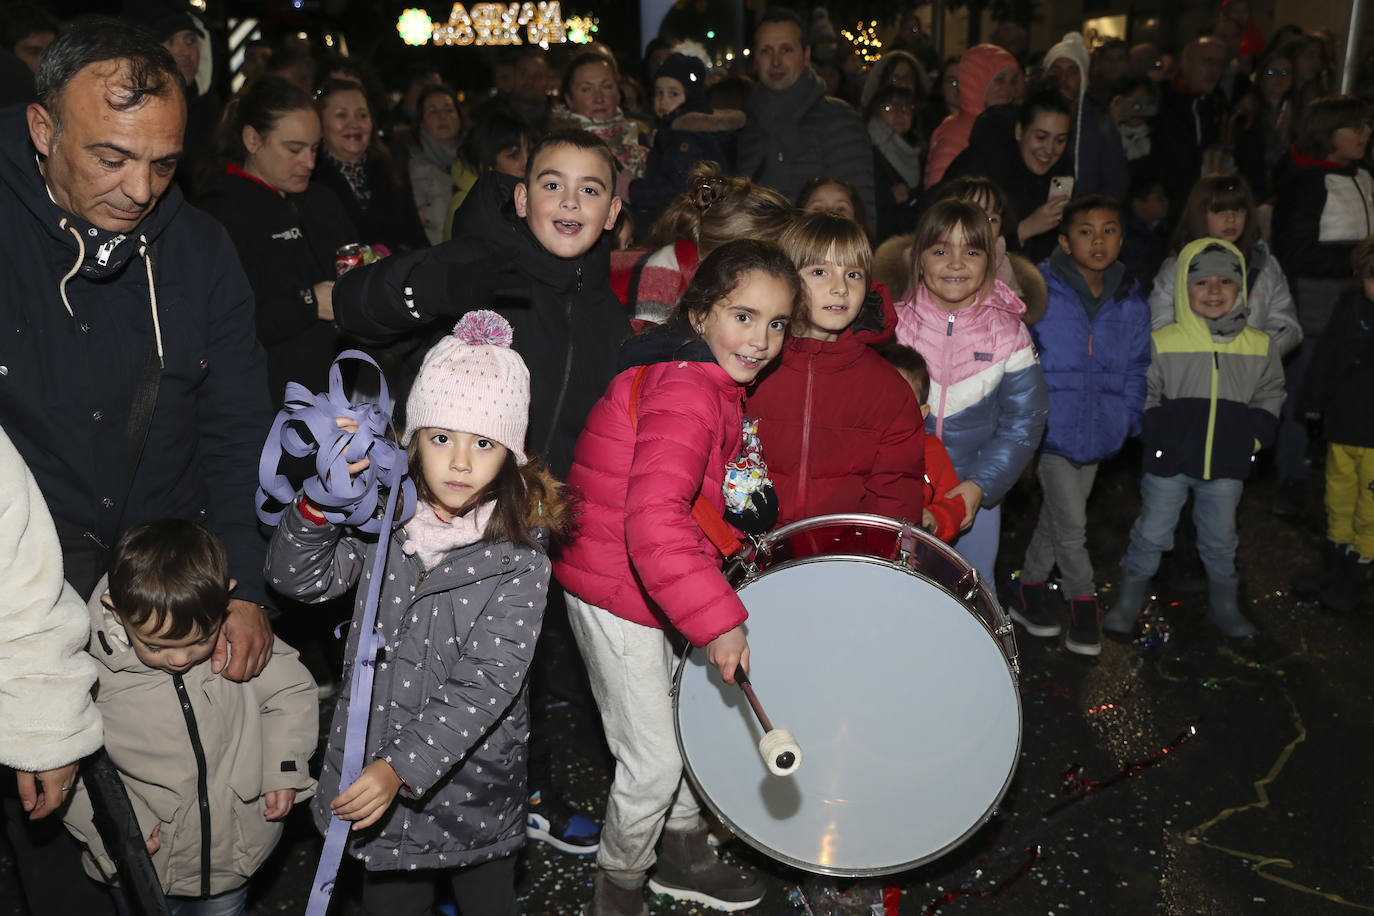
(636, 551)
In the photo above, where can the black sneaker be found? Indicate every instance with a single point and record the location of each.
(1028, 609)
(564, 830)
(1085, 633)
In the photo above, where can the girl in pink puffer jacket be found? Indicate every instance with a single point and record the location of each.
(639, 564)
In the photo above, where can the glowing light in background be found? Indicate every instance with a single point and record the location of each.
(581, 29)
(415, 27)
(864, 38)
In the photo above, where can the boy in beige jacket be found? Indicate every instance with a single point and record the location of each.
(211, 765)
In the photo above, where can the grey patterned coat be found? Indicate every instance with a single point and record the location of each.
(449, 710)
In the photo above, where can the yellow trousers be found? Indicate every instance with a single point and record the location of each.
(1349, 501)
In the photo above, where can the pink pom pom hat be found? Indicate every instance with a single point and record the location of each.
(473, 382)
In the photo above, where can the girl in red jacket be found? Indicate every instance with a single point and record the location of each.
(843, 431)
(640, 570)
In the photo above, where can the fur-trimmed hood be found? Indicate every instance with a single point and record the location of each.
(710, 121)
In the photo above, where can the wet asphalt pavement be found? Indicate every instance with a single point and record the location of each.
(1180, 776)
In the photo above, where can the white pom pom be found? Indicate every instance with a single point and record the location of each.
(484, 328)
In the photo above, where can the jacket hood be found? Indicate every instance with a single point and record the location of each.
(110, 644)
(488, 213)
(662, 344)
(1190, 321)
(722, 119)
(96, 253)
(978, 65)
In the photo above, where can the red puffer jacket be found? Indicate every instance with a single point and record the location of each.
(636, 550)
(840, 428)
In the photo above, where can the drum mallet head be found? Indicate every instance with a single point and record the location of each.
(780, 752)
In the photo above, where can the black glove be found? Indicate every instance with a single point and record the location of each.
(760, 516)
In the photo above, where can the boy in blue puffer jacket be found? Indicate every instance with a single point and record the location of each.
(1094, 344)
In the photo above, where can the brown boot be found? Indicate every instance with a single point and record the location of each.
(611, 899)
(688, 869)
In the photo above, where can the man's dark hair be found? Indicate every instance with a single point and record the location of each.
(1044, 96)
(150, 70)
(170, 577)
(783, 14)
(1085, 203)
(25, 20)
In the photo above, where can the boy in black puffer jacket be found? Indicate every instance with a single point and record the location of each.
(1337, 390)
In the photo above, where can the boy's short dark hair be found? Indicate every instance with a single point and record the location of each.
(908, 361)
(1142, 187)
(1085, 203)
(170, 577)
(577, 139)
(1325, 116)
(1362, 259)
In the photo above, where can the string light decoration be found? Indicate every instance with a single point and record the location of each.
(864, 38)
(415, 27)
(581, 29)
(492, 24)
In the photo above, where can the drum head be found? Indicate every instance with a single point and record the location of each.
(903, 703)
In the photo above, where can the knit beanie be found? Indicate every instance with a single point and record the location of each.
(691, 73)
(473, 382)
(1071, 47)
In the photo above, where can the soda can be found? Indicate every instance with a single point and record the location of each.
(348, 257)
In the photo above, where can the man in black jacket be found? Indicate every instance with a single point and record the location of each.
(118, 299)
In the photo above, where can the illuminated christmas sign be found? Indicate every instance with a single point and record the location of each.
(538, 23)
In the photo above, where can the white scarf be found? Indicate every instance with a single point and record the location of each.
(901, 154)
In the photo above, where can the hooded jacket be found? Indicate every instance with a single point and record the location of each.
(1341, 374)
(1210, 403)
(78, 304)
(987, 394)
(1094, 365)
(977, 66)
(287, 244)
(567, 322)
(636, 551)
(450, 714)
(197, 752)
(798, 133)
(683, 139)
(1269, 306)
(840, 428)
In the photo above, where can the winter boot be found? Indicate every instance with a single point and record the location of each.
(1130, 598)
(1085, 637)
(689, 870)
(612, 899)
(1223, 610)
(1352, 579)
(1028, 609)
(1313, 583)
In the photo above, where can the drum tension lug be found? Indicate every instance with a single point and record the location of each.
(1004, 631)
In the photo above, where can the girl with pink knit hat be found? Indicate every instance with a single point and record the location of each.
(442, 793)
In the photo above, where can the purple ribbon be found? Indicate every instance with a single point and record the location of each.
(306, 426)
